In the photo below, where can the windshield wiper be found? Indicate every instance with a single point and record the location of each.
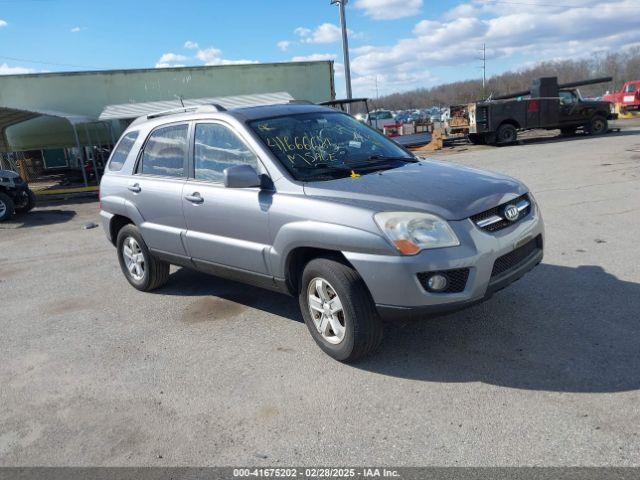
(402, 159)
(373, 164)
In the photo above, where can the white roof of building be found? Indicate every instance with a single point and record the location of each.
(135, 110)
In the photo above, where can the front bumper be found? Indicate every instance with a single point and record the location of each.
(393, 279)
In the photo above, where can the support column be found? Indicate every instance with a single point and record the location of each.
(93, 156)
(81, 152)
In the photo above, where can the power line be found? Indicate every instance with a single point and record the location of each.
(15, 59)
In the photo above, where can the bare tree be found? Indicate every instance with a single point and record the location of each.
(622, 66)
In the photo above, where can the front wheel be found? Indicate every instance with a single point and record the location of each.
(141, 269)
(598, 125)
(338, 310)
(6, 207)
(29, 202)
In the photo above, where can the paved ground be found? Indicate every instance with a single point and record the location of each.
(207, 372)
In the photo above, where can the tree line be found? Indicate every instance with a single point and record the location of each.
(622, 66)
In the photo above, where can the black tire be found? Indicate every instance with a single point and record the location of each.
(506, 134)
(598, 125)
(6, 207)
(362, 324)
(31, 202)
(568, 132)
(477, 139)
(155, 272)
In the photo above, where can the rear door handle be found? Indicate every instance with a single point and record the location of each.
(195, 198)
(135, 188)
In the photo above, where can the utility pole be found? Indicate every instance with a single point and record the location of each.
(484, 66)
(345, 44)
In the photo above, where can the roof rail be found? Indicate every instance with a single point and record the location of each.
(214, 107)
(301, 102)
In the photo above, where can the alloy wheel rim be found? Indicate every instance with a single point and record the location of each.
(326, 310)
(133, 258)
(3, 208)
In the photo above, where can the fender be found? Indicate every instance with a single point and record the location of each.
(132, 212)
(327, 236)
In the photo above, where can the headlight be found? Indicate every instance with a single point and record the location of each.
(411, 232)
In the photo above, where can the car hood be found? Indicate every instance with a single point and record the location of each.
(453, 192)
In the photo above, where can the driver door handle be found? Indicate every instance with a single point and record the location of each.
(135, 188)
(194, 198)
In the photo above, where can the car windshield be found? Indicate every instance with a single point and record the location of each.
(326, 145)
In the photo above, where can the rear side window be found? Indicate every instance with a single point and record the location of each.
(121, 152)
(165, 152)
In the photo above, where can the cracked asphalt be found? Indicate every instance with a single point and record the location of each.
(210, 372)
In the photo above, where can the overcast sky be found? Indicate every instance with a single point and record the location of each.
(398, 44)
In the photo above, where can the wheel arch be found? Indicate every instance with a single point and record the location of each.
(510, 121)
(297, 242)
(299, 257)
(115, 225)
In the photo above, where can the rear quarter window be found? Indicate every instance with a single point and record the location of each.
(122, 151)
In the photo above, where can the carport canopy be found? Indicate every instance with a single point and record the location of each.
(10, 116)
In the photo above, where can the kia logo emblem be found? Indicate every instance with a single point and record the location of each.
(511, 213)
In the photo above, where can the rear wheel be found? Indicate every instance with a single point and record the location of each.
(506, 134)
(598, 125)
(142, 270)
(338, 310)
(6, 207)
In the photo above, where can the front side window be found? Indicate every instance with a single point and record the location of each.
(567, 98)
(165, 152)
(121, 152)
(217, 148)
(325, 145)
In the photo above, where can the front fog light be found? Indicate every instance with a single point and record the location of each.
(437, 282)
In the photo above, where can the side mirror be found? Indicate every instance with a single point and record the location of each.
(241, 176)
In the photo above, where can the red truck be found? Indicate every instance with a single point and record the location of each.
(628, 98)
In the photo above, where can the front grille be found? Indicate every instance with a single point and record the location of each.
(498, 213)
(514, 258)
(482, 116)
(456, 279)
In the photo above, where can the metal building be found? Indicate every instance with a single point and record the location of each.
(66, 123)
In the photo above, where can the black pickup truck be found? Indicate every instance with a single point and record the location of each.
(547, 105)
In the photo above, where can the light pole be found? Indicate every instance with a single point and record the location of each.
(345, 44)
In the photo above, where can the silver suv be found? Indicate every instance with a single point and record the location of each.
(306, 200)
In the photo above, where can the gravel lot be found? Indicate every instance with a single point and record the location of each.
(208, 372)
